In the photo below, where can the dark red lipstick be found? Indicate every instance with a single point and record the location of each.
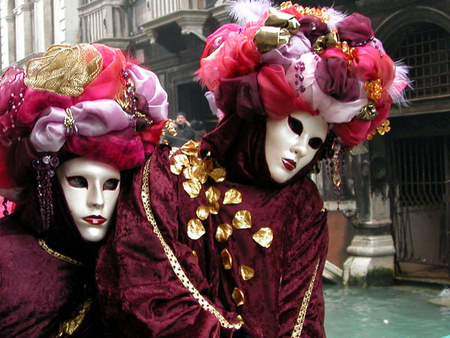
(288, 164)
(95, 220)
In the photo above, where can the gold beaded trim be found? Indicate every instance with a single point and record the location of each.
(57, 254)
(176, 266)
(302, 314)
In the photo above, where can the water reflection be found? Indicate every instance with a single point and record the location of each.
(401, 311)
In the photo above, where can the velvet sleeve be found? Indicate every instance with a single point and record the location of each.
(301, 304)
(141, 291)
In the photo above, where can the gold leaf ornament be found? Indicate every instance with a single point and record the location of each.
(212, 194)
(238, 297)
(227, 260)
(218, 174)
(223, 232)
(190, 148)
(232, 196)
(192, 187)
(195, 229)
(247, 272)
(242, 220)
(202, 212)
(64, 70)
(264, 237)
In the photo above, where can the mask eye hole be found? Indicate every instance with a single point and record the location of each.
(111, 184)
(315, 143)
(77, 181)
(295, 125)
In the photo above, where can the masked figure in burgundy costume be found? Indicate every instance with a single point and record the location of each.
(228, 237)
(71, 128)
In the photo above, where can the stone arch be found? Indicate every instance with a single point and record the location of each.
(387, 30)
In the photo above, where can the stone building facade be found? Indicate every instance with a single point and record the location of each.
(393, 215)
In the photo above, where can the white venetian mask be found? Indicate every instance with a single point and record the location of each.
(292, 143)
(91, 189)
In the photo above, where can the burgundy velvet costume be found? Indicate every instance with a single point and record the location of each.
(38, 291)
(142, 295)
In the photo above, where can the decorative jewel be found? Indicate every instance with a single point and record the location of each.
(374, 89)
(232, 196)
(129, 101)
(195, 229)
(238, 297)
(192, 187)
(64, 70)
(321, 13)
(384, 128)
(299, 77)
(247, 272)
(223, 232)
(5, 206)
(202, 212)
(212, 194)
(227, 260)
(264, 237)
(242, 220)
(69, 122)
(169, 126)
(368, 112)
(45, 171)
(58, 255)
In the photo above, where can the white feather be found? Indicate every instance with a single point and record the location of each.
(335, 17)
(245, 11)
(401, 81)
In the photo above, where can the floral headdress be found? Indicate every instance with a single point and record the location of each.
(311, 59)
(88, 100)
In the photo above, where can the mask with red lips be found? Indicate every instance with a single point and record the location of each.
(91, 189)
(292, 142)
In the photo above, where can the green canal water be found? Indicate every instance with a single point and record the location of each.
(400, 311)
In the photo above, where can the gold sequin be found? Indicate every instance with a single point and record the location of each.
(195, 254)
(242, 220)
(240, 319)
(238, 297)
(190, 148)
(195, 229)
(214, 208)
(227, 260)
(187, 173)
(64, 70)
(199, 173)
(202, 212)
(247, 272)
(218, 174)
(223, 232)
(192, 187)
(264, 237)
(212, 194)
(232, 196)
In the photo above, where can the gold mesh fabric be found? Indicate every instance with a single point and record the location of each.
(64, 70)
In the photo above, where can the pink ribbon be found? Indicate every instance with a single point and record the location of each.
(92, 119)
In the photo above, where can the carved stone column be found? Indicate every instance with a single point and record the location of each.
(371, 260)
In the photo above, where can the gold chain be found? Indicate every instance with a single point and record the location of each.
(302, 314)
(176, 266)
(57, 254)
